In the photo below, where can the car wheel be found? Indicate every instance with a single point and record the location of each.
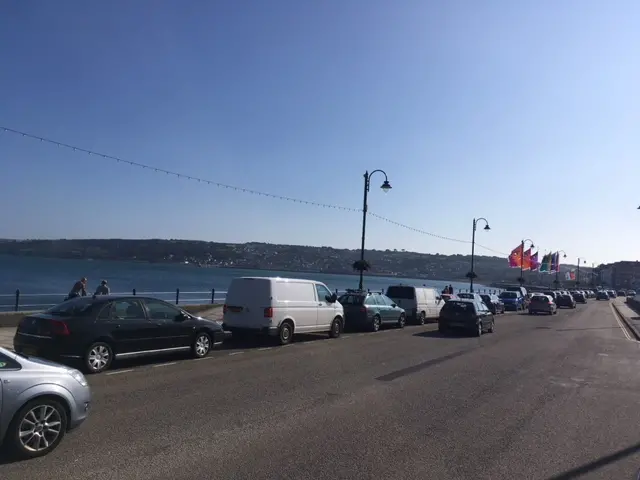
(401, 321)
(201, 345)
(38, 428)
(336, 328)
(478, 331)
(492, 327)
(98, 357)
(285, 334)
(422, 318)
(375, 323)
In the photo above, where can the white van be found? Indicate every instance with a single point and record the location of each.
(281, 307)
(420, 303)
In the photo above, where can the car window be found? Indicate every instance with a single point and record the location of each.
(486, 298)
(158, 310)
(105, 313)
(7, 363)
(127, 310)
(466, 295)
(370, 300)
(384, 300)
(351, 299)
(509, 295)
(458, 307)
(72, 308)
(322, 292)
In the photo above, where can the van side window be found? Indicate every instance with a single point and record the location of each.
(322, 292)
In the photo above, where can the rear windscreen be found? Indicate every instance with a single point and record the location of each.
(407, 293)
(508, 295)
(249, 291)
(351, 299)
(453, 306)
(72, 308)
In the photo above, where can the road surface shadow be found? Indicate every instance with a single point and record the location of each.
(598, 464)
(587, 328)
(389, 377)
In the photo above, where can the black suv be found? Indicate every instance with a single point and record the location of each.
(469, 315)
(370, 310)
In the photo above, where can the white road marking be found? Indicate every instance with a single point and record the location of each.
(204, 358)
(264, 348)
(603, 354)
(235, 353)
(164, 364)
(622, 327)
(118, 372)
(287, 345)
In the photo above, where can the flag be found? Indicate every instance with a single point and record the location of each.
(515, 257)
(535, 264)
(554, 262)
(526, 261)
(557, 261)
(544, 264)
(567, 276)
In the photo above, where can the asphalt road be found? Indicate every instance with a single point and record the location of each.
(544, 397)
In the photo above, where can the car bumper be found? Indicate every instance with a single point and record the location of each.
(79, 412)
(55, 349)
(458, 324)
(270, 331)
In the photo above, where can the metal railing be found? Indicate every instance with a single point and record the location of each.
(20, 301)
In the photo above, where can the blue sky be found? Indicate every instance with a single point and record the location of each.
(526, 113)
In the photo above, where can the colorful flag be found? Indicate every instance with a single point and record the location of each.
(544, 264)
(526, 262)
(557, 261)
(554, 262)
(515, 257)
(535, 264)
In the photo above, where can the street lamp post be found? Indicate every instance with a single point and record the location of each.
(564, 255)
(473, 248)
(522, 258)
(578, 272)
(386, 186)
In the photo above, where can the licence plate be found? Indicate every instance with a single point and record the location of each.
(235, 309)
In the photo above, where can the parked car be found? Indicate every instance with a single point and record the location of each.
(602, 295)
(580, 297)
(470, 296)
(494, 303)
(551, 294)
(565, 300)
(512, 300)
(631, 293)
(419, 303)
(542, 304)
(469, 315)
(40, 402)
(621, 293)
(281, 307)
(98, 330)
(612, 293)
(370, 310)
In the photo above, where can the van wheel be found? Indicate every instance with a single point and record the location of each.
(285, 334)
(401, 321)
(336, 328)
(422, 318)
(375, 324)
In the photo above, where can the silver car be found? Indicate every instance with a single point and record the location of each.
(40, 401)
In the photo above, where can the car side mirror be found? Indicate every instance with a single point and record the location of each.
(394, 305)
(331, 298)
(181, 317)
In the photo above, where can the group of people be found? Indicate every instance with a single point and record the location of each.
(448, 290)
(80, 289)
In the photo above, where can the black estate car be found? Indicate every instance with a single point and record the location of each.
(472, 316)
(98, 330)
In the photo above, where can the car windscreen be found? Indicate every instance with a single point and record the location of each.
(508, 295)
(407, 293)
(350, 299)
(486, 298)
(72, 308)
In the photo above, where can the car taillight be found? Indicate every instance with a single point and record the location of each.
(59, 328)
(224, 308)
(268, 312)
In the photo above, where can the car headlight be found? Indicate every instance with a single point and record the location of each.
(79, 377)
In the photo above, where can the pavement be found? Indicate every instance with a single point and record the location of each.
(544, 397)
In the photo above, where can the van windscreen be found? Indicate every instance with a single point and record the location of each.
(407, 293)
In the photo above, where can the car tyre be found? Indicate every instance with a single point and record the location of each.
(98, 357)
(51, 424)
(401, 321)
(422, 318)
(478, 332)
(336, 328)
(285, 333)
(375, 323)
(201, 345)
(492, 327)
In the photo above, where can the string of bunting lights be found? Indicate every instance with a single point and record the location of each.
(233, 187)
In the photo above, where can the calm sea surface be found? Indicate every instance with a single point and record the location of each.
(45, 281)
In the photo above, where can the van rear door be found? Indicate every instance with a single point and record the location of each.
(405, 297)
(246, 303)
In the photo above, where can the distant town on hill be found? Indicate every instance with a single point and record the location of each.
(265, 256)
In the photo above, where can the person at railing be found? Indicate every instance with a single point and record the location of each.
(79, 289)
(103, 289)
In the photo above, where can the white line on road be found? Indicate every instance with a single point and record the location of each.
(603, 354)
(118, 372)
(261, 349)
(235, 353)
(164, 364)
(287, 345)
(204, 358)
(622, 327)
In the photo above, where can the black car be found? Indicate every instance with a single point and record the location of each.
(494, 303)
(370, 311)
(469, 315)
(622, 293)
(99, 330)
(565, 301)
(602, 295)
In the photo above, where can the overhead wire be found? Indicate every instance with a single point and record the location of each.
(233, 187)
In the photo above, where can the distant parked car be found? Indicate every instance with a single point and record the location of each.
(631, 293)
(40, 402)
(542, 304)
(512, 300)
(612, 293)
(371, 311)
(580, 297)
(99, 330)
(565, 300)
(494, 303)
(621, 293)
(552, 294)
(469, 315)
(602, 295)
